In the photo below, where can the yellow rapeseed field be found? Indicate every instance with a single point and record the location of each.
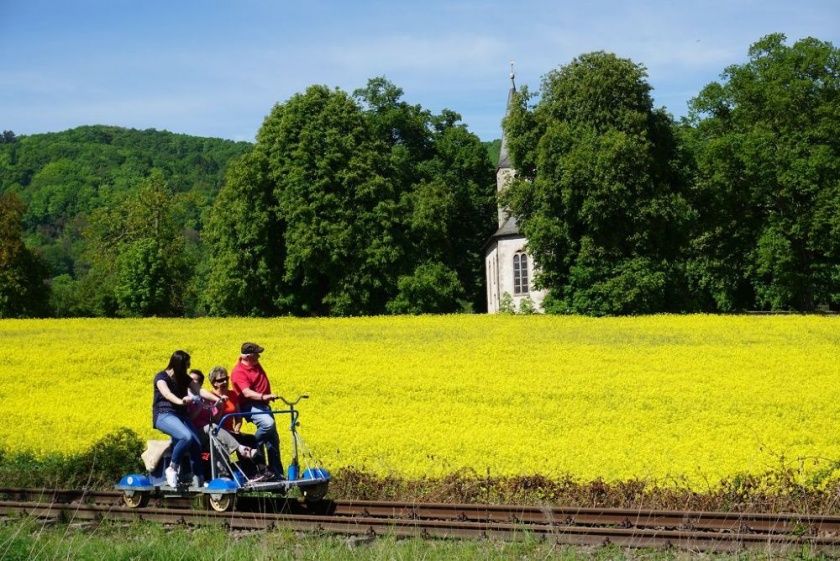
(671, 399)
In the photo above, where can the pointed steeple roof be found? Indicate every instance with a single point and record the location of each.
(504, 156)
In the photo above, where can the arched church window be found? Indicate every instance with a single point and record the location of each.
(520, 274)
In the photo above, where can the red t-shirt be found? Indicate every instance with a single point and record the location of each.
(199, 414)
(251, 376)
(229, 406)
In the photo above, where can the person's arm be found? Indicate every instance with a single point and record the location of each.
(163, 388)
(235, 422)
(221, 410)
(243, 384)
(211, 397)
(197, 391)
(257, 396)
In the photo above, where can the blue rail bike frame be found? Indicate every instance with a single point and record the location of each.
(293, 424)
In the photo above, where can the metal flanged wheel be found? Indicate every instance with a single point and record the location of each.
(222, 502)
(315, 493)
(136, 499)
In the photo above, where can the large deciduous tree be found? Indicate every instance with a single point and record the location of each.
(598, 192)
(138, 266)
(336, 202)
(767, 145)
(343, 201)
(447, 201)
(23, 292)
(245, 243)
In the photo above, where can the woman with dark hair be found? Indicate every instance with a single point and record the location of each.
(172, 388)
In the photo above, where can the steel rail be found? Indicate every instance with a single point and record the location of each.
(577, 525)
(811, 524)
(637, 518)
(561, 534)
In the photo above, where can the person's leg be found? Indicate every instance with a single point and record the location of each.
(182, 438)
(267, 435)
(228, 442)
(194, 451)
(204, 436)
(181, 435)
(250, 465)
(221, 450)
(245, 439)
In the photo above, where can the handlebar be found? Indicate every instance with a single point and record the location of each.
(203, 402)
(291, 411)
(291, 403)
(200, 400)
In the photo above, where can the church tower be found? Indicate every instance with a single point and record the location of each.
(504, 170)
(509, 268)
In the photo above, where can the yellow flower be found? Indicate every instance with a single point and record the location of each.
(670, 399)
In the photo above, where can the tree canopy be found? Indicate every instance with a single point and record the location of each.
(767, 146)
(23, 292)
(66, 178)
(343, 200)
(598, 193)
(136, 254)
(362, 203)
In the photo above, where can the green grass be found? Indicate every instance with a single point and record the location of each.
(25, 540)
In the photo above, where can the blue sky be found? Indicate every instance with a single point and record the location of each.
(215, 68)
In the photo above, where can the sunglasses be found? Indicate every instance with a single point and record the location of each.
(221, 381)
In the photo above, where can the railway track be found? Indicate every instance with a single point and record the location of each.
(701, 531)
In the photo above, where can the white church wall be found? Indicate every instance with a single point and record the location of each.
(492, 282)
(501, 259)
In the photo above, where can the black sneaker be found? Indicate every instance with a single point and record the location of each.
(274, 476)
(258, 477)
(265, 475)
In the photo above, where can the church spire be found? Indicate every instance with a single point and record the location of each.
(512, 77)
(505, 171)
(504, 156)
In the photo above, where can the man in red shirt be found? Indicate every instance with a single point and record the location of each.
(251, 383)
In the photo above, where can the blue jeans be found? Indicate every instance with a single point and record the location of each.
(267, 435)
(184, 439)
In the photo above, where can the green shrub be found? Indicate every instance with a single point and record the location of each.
(102, 464)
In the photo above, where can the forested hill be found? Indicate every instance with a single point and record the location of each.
(64, 174)
(61, 174)
(65, 178)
